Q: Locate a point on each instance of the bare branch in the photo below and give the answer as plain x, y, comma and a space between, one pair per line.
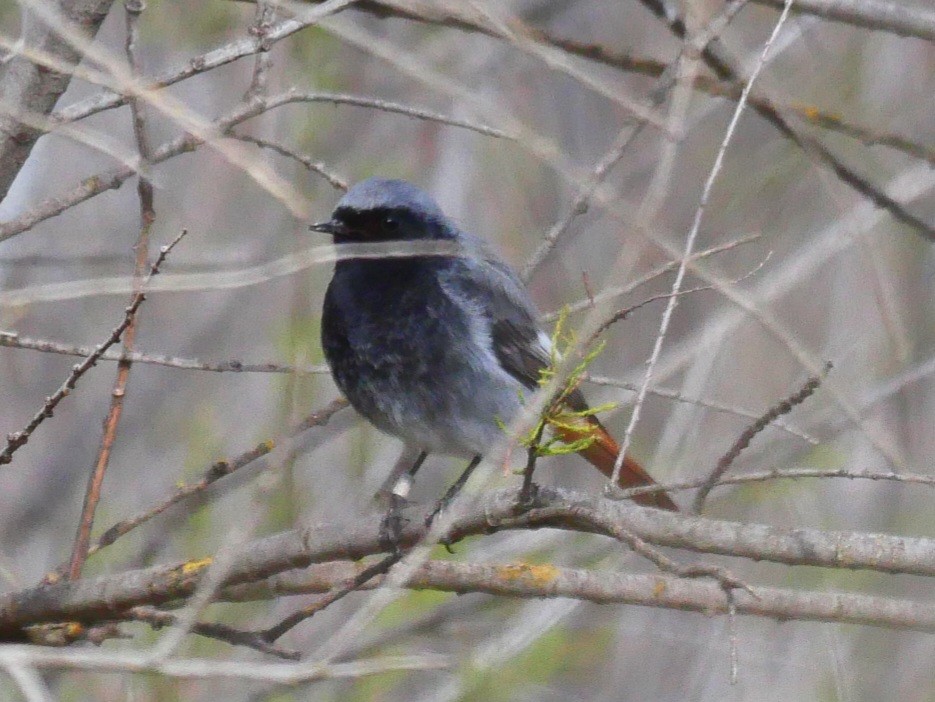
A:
543, 581
104, 598
19, 439
15, 341
157, 619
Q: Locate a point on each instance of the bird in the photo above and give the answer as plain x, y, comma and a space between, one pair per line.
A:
438, 350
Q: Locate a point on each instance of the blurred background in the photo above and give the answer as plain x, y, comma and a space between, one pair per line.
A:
820, 275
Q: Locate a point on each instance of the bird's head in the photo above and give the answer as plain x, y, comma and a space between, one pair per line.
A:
380, 209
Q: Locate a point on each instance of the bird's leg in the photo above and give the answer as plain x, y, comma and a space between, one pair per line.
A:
391, 527
450, 495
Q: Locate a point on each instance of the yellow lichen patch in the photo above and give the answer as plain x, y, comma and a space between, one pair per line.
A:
811, 112
659, 589
536, 574
74, 630
196, 565
269, 445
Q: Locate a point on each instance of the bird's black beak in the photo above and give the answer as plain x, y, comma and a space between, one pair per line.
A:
330, 227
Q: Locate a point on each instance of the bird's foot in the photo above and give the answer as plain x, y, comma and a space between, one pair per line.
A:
391, 527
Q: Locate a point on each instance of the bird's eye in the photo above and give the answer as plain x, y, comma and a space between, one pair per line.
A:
390, 223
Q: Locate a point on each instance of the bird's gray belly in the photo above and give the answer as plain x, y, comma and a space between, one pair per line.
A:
451, 404
429, 382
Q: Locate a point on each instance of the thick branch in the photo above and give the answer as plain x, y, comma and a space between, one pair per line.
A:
35, 89
608, 587
91, 600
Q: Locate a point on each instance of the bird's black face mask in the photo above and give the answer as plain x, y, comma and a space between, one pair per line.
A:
380, 224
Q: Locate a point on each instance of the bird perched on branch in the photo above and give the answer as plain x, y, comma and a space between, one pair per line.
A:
438, 350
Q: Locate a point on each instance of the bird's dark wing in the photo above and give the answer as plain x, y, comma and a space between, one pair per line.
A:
491, 287
492, 290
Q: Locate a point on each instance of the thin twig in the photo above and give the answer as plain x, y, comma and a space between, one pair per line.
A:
625, 312
15, 341
708, 404
689, 247
19, 439
723, 577
786, 474
611, 292
158, 618
217, 471
337, 592
317, 167
778, 410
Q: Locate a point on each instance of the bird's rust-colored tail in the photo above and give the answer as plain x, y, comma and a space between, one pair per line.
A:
603, 452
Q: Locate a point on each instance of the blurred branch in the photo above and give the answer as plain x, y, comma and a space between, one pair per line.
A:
116, 75
112, 179
725, 67
732, 90
107, 597
215, 58
28, 657
34, 88
896, 17
595, 52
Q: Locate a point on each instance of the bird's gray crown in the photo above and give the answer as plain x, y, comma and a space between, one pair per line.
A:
388, 193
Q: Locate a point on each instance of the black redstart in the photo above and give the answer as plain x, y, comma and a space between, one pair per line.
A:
438, 350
